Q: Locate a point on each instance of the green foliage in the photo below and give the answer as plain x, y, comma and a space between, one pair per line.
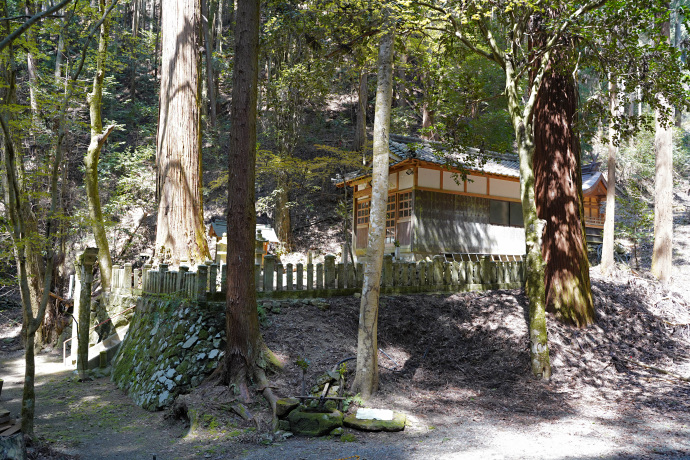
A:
303, 363
132, 179
635, 220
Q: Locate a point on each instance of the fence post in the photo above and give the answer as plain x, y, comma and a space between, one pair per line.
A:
213, 278
289, 277
136, 282
340, 275
447, 273
300, 277
310, 276
329, 271
269, 268
114, 284
179, 281
438, 269
201, 281
223, 277
319, 276
387, 275
279, 277
127, 275
421, 273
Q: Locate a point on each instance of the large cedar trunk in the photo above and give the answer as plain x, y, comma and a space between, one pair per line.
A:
558, 189
242, 321
180, 234
663, 190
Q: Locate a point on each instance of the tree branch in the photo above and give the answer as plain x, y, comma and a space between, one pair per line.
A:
23, 28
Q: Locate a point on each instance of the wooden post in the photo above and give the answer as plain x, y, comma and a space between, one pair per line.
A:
310, 276
300, 277
319, 276
437, 265
269, 268
201, 282
289, 283
329, 271
421, 273
213, 278
179, 284
340, 276
279, 277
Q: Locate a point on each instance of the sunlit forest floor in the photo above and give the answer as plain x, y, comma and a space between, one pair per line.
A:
457, 365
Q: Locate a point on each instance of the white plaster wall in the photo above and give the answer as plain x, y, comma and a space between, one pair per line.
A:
478, 184
504, 188
392, 180
508, 240
450, 184
429, 178
405, 180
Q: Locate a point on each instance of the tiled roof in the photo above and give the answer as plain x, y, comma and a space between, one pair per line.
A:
403, 148
488, 162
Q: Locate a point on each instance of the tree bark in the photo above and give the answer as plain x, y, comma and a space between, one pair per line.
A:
663, 189
208, 48
98, 138
360, 141
180, 230
559, 199
534, 265
367, 376
607, 262
242, 322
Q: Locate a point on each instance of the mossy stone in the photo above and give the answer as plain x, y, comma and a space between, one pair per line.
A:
286, 405
314, 423
397, 424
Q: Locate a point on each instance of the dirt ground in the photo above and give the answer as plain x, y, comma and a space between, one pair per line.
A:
457, 365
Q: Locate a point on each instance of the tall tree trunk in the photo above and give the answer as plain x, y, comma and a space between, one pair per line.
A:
558, 189
428, 123
180, 230
609, 224
242, 322
208, 48
367, 376
98, 138
31, 67
663, 190
360, 142
535, 289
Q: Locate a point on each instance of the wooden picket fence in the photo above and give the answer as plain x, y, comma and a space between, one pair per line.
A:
275, 280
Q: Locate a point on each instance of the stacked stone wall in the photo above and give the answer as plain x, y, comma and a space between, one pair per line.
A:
171, 346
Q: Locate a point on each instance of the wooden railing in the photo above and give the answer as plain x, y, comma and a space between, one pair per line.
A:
594, 221
209, 281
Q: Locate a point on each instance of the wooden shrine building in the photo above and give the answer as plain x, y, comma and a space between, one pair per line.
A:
432, 210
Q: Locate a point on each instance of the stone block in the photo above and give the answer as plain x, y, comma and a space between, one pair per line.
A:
397, 424
314, 423
286, 405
